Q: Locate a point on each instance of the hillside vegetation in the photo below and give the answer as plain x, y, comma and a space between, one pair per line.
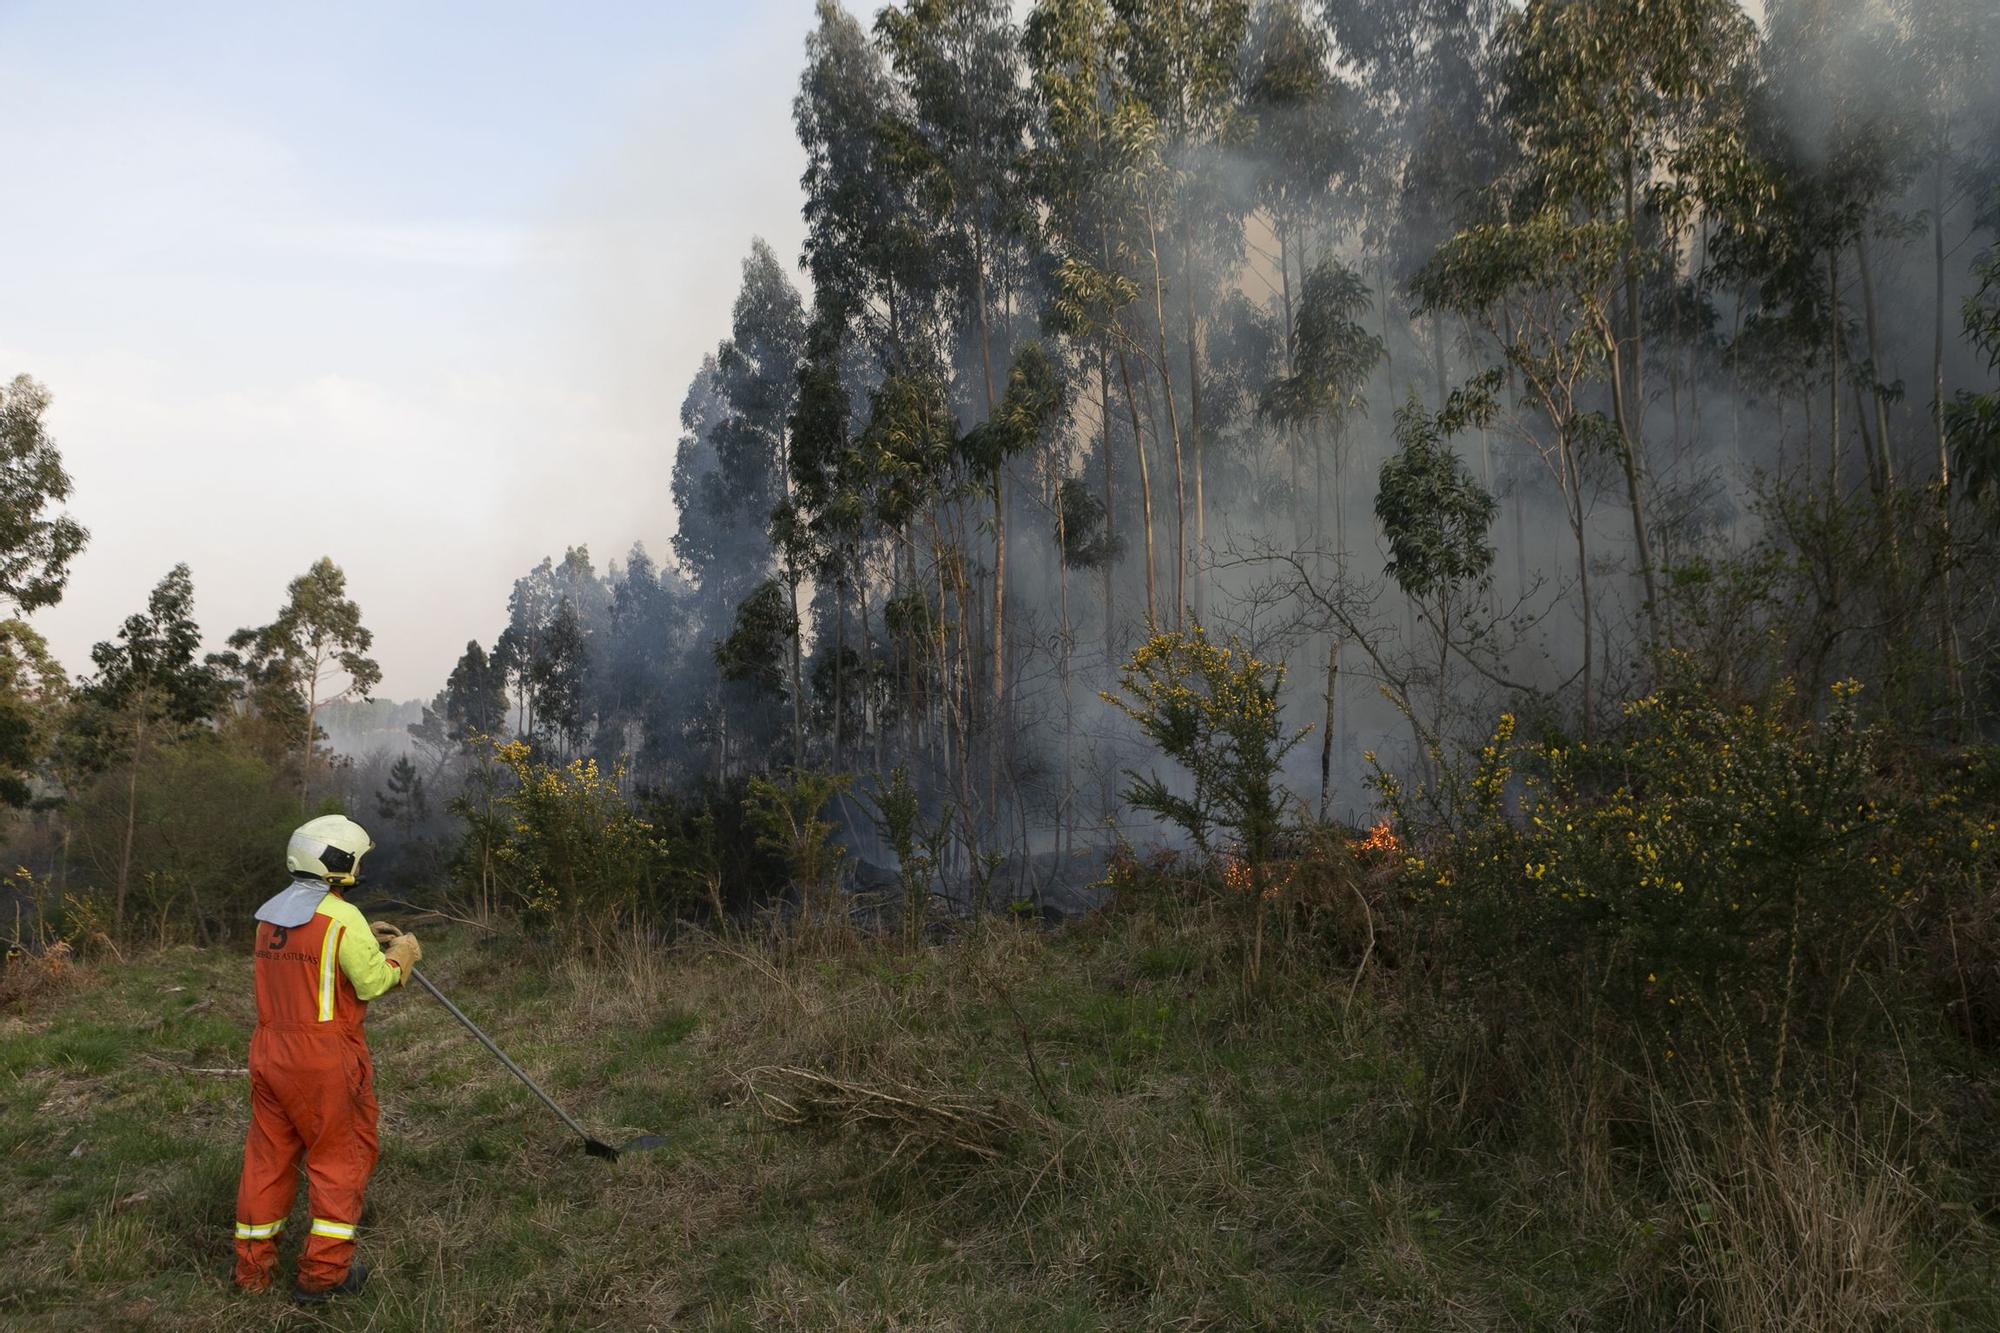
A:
1106, 1126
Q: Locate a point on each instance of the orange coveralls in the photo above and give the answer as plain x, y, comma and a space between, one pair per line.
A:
312, 1092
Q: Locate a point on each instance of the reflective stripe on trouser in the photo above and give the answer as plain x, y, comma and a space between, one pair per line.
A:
312, 1096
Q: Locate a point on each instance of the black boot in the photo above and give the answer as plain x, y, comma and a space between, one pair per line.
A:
356, 1279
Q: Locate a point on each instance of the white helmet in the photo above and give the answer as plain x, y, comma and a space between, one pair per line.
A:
329, 848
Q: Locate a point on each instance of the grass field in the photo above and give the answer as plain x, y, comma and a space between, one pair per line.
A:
1096, 1128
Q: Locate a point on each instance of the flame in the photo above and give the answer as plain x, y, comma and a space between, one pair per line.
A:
1381, 841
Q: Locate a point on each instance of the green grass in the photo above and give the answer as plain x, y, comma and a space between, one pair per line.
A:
1194, 1154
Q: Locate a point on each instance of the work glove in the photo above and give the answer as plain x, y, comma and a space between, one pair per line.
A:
384, 932
405, 953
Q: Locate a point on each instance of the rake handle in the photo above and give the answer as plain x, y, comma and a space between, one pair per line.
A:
500, 1055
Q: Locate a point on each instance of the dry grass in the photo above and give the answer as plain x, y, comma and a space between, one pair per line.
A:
916, 1120
29, 979
1792, 1223
1101, 1128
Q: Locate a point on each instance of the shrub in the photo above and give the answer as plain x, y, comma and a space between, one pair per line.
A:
208, 819
714, 858
1214, 710
577, 853
897, 811
786, 812
1714, 879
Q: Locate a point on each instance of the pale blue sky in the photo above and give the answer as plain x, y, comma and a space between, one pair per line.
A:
417, 286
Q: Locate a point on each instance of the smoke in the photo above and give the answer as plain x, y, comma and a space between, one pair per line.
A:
1401, 150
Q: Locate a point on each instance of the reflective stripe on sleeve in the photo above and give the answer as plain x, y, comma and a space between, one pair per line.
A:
329, 970
333, 1230
259, 1230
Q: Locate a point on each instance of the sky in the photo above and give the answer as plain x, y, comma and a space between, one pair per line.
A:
415, 286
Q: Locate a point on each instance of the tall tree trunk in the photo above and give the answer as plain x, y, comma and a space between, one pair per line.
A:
131, 826
1438, 360
1573, 502
1635, 326
839, 667
721, 735
871, 722
1173, 416
1067, 642
1292, 439
312, 712
1947, 620
1326, 737
1382, 310
996, 725
1110, 513
1833, 377
997, 669
1285, 283
798, 679
1518, 504
1194, 401
985, 330
1886, 461
1145, 492
1628, 456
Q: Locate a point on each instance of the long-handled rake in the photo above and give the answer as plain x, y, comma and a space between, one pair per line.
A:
596, 1147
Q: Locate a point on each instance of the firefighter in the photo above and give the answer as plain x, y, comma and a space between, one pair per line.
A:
312, 1085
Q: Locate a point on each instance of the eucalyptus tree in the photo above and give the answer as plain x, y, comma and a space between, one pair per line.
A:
753, 661
731, 471
1955, 47
475, 696
1436, 517
531, 605
1954, 54
1974, 418
1628, 114
1332, 358
640, 663
961, 122
151, 687
560, 675
1180, 63
960, 68
1083, 166
36, 545
1029, 408
820, 526
1835, 133
1424, 70
868, 245
315, 652
1083, 173
1302, 137
906, 457
1542, 290
34, 723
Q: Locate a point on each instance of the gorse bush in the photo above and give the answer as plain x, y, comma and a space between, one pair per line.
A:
1715, 879
575, 851
1214, 710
